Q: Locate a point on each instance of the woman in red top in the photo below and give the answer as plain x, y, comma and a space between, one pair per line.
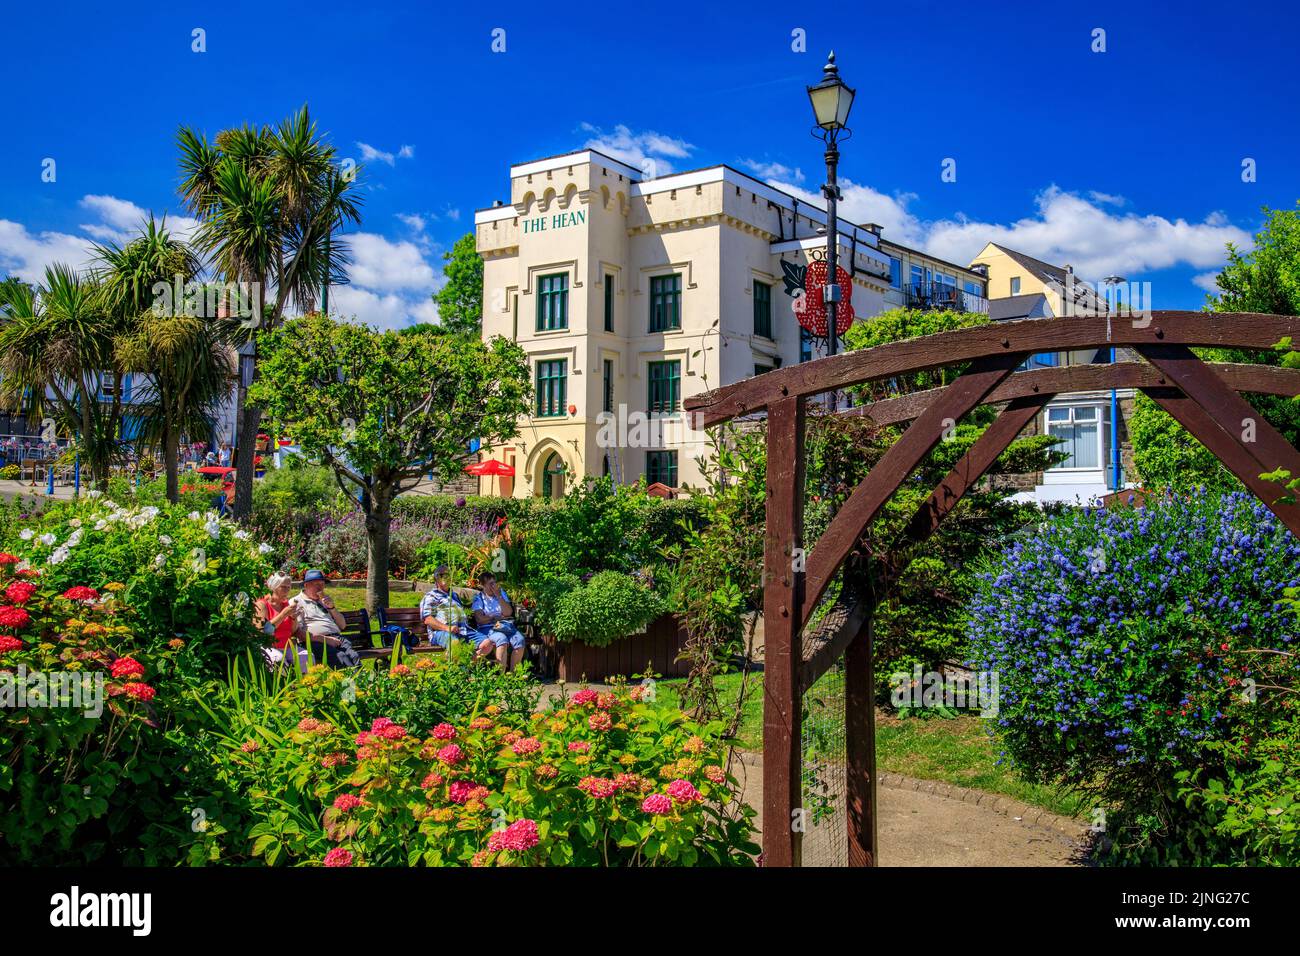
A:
277, 616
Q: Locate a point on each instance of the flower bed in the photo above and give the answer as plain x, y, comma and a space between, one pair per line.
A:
601, 779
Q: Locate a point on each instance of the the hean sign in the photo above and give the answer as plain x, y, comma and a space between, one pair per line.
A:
555, 221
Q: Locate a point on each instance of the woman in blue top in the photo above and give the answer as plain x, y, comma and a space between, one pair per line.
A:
493, 614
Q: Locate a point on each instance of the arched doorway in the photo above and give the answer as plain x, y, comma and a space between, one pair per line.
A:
553, 476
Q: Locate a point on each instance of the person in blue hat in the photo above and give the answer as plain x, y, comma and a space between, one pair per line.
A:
324, 622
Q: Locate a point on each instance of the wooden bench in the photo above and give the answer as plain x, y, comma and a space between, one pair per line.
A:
358, 633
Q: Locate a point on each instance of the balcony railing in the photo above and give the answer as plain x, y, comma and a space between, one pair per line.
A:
939, 295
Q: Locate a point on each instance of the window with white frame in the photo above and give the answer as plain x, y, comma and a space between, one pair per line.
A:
1082, 434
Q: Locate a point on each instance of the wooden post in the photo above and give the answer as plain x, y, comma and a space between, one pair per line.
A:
860, 747
783, 592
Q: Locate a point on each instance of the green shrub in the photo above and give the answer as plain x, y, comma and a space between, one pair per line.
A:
184, 574
596, 527
10, 472
601, 610
1124, 642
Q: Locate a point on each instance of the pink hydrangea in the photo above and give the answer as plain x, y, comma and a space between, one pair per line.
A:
715, 774
585, 696
126, 667
657, 804
346, 801
598, 787
529, 745
463, 791
606, 701
683, 791
431, 780
519, 836
392, 731
579, 746
451, 755
308, 724
338, 857
600, 720
444, 731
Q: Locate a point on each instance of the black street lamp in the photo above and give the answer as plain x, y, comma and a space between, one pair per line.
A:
831, 101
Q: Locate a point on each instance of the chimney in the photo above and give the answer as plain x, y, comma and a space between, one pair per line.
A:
873, 228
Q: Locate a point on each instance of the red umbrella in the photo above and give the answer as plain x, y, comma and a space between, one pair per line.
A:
215, 470
490, 467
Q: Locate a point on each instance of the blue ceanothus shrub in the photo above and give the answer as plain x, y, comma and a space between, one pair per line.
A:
1124, 643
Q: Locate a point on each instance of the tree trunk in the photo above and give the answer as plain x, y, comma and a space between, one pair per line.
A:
250, 418
170, 440
378, 518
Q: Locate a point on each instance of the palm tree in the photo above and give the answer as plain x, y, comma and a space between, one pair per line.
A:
190, 368
187, 363
268, 201
58, 355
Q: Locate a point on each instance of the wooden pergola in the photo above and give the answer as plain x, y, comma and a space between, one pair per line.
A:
1203, 397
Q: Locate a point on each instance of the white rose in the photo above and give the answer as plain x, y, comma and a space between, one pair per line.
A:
264, 548
74, 539
27, 534
101, 524
193, 516
241, 534
159, 560
47, 539
165, 540
213, 528
75, 523
58, 556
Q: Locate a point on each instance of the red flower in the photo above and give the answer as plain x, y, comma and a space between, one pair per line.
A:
14, 617
7, 558
125, 667
8, 643
140, 691
1223, 647
20, 592
338, 857
81, 593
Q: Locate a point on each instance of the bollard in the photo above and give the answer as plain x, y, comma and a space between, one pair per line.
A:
49, 480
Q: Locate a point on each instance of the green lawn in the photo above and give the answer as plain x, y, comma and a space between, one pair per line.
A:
957, 751
353, 599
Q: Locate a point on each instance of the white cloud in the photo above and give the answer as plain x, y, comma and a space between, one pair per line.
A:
1206, 281
383, 265
1068, 229
414, 220
648, 151
370, 153
773, 171
26, 254
1065, 229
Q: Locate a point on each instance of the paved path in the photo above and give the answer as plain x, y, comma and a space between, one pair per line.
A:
924, 823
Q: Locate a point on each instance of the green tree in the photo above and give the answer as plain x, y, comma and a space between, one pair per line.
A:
460, 301
383, 409
268, 201
1265, 279
186, 362
58, 351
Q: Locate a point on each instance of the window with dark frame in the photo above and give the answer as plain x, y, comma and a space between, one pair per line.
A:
665, 302
608, 385
661, 466
553, 302
609, 303
551, 387
762, 309
665, 386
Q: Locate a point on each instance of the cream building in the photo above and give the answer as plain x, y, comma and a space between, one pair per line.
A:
630, 294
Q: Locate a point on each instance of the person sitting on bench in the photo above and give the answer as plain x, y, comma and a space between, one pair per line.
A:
324, 623
493, 619
443, 614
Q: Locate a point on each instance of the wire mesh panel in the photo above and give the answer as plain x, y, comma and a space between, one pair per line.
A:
822, 752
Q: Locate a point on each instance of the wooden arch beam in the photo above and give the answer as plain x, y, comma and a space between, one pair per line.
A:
1262, 379
1247, 330
902, 457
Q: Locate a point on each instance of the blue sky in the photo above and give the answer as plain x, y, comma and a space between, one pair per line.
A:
1128, 160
